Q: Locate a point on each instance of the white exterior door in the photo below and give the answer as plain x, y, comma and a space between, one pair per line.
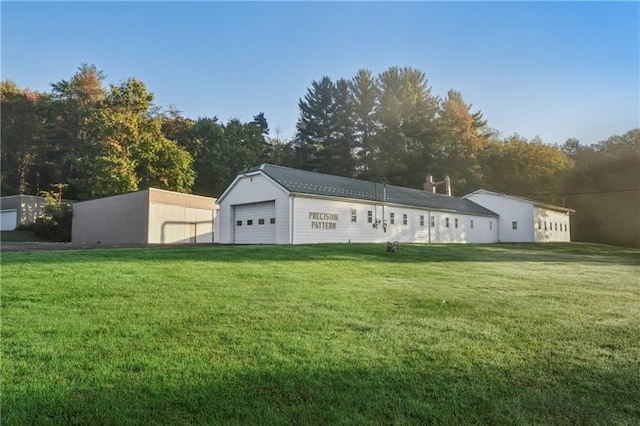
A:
255, 223
9, 220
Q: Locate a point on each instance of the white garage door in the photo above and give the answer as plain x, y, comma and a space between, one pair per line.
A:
255, 223
9, 220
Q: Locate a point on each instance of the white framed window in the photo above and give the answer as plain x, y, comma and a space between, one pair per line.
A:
490, 224
260, 221
238, 223
354, 215
545, 225
369, 216
446, 222
249, 222
514, 225
455, 222
556, 226
404, 218
433, 221
421, 220
565, 227
539, 224
272, 220
471, 224
392, 218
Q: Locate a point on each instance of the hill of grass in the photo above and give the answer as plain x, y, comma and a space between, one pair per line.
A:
325, 334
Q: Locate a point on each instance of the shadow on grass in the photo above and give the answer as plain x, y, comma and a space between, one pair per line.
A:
357, 396
408, 253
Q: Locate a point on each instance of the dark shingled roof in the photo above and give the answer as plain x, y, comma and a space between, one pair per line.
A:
306, 182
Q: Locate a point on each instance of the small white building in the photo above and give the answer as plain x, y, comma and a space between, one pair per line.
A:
16, 210
523, 220
279, 205
151, 216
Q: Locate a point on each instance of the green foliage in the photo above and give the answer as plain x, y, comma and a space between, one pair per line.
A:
55, 222
324, 334
604, 189
528, 168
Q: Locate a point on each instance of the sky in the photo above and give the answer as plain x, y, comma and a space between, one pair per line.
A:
550, 69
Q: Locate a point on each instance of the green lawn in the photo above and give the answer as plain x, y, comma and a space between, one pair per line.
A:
327, 334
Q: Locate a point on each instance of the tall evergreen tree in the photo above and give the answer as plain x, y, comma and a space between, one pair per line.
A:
405, 147
316, 123
365, 94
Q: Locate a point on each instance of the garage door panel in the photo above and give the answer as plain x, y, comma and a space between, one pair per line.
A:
9, 220
255, 223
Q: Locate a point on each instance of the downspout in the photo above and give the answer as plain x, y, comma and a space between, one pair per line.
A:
291, 211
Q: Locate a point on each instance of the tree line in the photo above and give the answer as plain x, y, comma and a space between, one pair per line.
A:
388, 128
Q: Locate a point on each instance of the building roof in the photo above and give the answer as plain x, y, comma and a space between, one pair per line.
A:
526, 200
306, 182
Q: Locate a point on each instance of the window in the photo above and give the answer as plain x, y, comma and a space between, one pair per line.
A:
545, 225
272, 220
539, 224
260, 221
490, 224
354, 215
556, 225
239, 223
514, 225
433, 222
446, 222
471, 223
249, 222
392, 218
369, 216
455, 222
404, 219
421, 220
565, 227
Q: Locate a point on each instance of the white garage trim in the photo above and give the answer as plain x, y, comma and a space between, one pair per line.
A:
254, 223
9, 220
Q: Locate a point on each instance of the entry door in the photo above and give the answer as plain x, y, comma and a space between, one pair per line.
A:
255, 223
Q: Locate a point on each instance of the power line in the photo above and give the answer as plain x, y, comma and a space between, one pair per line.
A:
607, 191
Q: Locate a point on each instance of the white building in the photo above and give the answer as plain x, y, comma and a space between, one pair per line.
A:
523, 220
16, 210
279, 205
151, 216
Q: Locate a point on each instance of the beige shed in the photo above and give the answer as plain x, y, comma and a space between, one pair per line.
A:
151, 216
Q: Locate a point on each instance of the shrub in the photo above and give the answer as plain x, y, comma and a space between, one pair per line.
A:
55, 222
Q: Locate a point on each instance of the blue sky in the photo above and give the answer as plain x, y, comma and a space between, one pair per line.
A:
553, 69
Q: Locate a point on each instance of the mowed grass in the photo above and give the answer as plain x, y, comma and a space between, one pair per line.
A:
323, 334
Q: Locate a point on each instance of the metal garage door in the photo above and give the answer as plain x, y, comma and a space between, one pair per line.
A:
9, 220
255, 223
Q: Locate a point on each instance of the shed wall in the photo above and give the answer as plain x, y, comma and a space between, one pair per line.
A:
121, 219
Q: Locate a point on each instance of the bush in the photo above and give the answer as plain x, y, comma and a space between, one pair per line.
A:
55, 222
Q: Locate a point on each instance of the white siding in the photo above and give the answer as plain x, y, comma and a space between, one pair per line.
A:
9, 220
174, 224
319, 220
510, 210
249, 189
551, 225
